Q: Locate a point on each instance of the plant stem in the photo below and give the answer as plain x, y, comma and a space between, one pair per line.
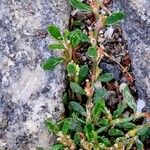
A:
89, 104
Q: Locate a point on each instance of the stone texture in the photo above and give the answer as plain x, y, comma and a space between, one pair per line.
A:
27, 93
137, 31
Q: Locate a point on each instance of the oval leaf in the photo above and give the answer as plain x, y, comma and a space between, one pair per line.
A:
139, 145
54, 31
103, 122
77, 36
51, 126
143, 130
114, 18
105, 140
92, 52
79, 5
71, 69
76, 125
127, 96
100, 130
99, 95
66, 126
115, 132
127, 125
76, 88
51, 63
106, 77
77, 138
77, 107
83, 73
120, 109
98, 108
56, 46
88, 129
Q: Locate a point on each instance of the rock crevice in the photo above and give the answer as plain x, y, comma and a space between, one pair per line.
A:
136, 29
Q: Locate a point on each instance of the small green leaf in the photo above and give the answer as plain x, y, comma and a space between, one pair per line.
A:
120, 109
127, 97
106, 77
77, 88
66, 34
65, 99
83, 73
122, 120
143, 130
100, 130
115, 132
105, 140
71, 69
92, 52
99, 95
79, 5
88, 128
76, 125
103, 122
57, 147
51, 126
66, 126
98, 109
75, 40
56, 46
114, 18
77, 36
78, 119
78, 23
77, 138
54, 31
139, 145
128, 125
95, 136
51, 63
77, 107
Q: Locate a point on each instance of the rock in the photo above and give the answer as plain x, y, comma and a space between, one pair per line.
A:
111, 69
28, 95
136, 29
109, 32
140, 105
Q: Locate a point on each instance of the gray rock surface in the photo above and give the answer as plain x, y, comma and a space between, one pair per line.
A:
28, 95
137, 31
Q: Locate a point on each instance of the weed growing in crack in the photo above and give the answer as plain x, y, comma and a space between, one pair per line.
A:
89, 124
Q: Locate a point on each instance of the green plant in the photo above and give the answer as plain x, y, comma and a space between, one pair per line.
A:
89, 124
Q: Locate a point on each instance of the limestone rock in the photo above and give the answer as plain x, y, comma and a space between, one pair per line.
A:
28, 95
137, 31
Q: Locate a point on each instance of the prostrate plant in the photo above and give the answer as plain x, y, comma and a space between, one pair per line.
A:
88, 123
